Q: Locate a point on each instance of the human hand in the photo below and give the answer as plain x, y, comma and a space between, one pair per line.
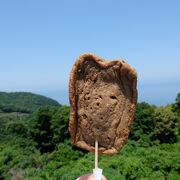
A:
90, 176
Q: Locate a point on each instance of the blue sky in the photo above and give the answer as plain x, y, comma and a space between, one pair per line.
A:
40, 41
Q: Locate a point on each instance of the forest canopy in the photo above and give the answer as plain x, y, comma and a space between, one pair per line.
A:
35, 142
24, 102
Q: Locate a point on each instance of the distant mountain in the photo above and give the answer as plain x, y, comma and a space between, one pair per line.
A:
23, 102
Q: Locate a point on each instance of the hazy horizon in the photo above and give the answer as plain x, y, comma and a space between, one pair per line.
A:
144, 92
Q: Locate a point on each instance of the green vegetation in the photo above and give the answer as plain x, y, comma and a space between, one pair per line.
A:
35, 144
49, 126
23, 102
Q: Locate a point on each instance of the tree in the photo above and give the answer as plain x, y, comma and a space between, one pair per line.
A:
176, 109
50, 127
143, 126
59, 124
176, 105
40, 130
165, 125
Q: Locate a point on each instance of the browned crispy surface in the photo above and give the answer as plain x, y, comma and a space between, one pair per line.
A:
103, 97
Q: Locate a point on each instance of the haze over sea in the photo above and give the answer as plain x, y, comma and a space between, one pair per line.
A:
40, 41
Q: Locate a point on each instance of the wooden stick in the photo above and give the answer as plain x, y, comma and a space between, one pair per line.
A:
96, 154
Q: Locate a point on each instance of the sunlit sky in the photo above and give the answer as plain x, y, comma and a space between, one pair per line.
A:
41, 39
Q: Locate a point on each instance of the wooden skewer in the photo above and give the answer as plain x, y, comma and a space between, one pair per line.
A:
96, 154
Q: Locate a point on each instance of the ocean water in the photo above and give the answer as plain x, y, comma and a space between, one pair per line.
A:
159, 94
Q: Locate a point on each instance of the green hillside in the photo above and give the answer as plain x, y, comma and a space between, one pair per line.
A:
37, 146
23, 102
